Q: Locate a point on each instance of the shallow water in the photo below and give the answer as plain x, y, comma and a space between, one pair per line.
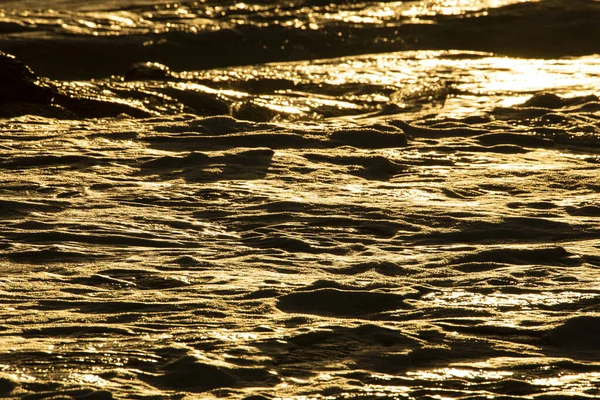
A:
395, 200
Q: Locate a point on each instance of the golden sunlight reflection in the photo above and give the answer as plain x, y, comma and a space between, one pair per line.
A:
281, 105
565, 381
88, 379
383, 390
269, 199
521, 301
388, 12
449, 83
442, 374
570, 382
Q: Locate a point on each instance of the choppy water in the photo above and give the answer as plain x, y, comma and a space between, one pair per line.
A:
358, 200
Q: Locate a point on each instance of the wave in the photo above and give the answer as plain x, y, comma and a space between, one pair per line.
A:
193, 36
410, 223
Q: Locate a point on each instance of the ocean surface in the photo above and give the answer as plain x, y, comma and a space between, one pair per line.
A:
307, 199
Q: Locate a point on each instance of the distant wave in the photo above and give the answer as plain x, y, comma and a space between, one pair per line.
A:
70, 44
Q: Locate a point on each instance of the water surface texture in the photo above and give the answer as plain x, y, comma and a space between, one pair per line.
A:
298, 200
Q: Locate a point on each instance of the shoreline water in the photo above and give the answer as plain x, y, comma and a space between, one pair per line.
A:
410, 224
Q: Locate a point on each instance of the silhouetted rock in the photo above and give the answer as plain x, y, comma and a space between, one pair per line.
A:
18, 83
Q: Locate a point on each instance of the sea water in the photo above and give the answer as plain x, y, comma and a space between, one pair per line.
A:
299, 199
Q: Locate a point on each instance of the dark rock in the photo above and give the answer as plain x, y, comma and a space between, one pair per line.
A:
18, 83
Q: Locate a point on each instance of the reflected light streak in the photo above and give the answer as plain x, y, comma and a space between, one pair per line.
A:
501, 300
281, 105
383, 390
443, 374
574, 382
88, 379
389, 12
